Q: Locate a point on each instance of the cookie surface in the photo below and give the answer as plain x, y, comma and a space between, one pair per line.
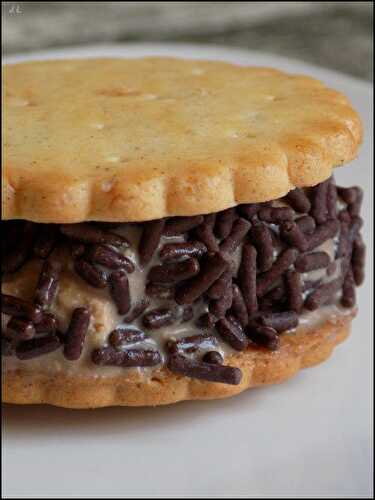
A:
259, 367
133, 140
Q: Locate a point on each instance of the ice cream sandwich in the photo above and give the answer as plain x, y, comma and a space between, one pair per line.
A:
171, 229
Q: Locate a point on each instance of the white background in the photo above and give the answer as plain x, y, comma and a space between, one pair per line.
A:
308, 438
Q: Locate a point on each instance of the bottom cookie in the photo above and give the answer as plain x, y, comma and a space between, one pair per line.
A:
259, 366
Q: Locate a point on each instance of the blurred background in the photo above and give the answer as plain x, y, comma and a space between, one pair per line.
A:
338, 35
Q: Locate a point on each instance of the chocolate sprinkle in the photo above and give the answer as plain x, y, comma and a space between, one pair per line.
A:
224, 222
121, 336
20, 308
150, 239
238, 232
108, 257
293, 283
137, 310
204, 233
261, 238
247, 277
157, 318
232, 332
90, 273
213, 357
191, 344
205, 371
176, 251
90, 233
264, 336
46, 288
211, 269
19, 329
39, 346
298, 200
108, 356
76, 334
174, 272
179, 225
310, 261
119, 288
283, 262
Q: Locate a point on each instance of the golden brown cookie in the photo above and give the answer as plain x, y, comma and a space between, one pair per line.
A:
140, 139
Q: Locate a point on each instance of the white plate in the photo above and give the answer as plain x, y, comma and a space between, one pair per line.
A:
310, 437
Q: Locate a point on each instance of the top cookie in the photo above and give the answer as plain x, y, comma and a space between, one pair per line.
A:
140, 139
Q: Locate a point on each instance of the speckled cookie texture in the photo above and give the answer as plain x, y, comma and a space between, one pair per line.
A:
134, 140
259, 367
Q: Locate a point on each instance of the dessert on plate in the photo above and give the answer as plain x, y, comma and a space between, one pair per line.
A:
171, 229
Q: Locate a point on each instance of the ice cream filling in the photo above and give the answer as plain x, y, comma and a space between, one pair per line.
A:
184, 292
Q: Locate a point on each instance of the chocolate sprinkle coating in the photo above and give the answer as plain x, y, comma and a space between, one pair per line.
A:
198, 275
